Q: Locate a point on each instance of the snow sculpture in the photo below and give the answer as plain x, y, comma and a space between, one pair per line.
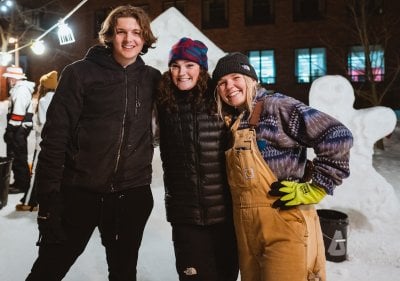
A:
365, 194
169, 27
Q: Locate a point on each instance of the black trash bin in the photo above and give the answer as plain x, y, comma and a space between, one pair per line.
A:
334, 226
5, 172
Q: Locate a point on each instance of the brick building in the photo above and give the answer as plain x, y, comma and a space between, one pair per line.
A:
290, 42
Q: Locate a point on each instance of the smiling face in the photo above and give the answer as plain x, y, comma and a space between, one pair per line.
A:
184, 74
232, 89
127, 41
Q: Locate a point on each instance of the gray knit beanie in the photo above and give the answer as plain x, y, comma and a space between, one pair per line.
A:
234, 63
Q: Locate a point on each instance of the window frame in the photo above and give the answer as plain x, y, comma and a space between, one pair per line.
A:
250, 9
208, 18
180, 5
312, 51
263, 68
358, 74
302, 10
372, 8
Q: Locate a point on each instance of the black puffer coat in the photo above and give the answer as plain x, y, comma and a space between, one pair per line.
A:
98, 131
192, 145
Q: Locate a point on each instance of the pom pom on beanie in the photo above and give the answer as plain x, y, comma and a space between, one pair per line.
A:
191, 50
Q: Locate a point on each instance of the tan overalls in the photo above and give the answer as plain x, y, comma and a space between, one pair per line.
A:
273, 244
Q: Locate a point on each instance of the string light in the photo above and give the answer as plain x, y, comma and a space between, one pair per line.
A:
5, 5
38, 47
66, 37
65, 34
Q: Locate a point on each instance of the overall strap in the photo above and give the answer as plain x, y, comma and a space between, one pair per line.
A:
253, 120
255, 115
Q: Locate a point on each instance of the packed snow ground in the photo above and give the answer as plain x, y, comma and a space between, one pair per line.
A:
373, 247
373, 250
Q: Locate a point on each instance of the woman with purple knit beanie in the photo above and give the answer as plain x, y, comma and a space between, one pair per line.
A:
192, 145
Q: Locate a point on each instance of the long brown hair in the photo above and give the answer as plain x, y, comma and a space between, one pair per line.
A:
201, 94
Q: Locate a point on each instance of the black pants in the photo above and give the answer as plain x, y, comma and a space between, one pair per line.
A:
17, 148
121, 218
205, 253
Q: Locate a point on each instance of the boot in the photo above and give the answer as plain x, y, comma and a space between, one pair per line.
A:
23, 208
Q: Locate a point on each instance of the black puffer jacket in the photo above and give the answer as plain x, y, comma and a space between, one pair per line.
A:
98, 130
192, 145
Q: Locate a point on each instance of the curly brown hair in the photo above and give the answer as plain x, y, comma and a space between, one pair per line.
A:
200, 95
108, 27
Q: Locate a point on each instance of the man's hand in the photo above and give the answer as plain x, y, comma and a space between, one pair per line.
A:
49, 219
294, 193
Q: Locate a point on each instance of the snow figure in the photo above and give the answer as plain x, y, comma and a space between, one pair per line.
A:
365, 196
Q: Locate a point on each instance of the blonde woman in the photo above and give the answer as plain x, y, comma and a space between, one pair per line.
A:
277, 227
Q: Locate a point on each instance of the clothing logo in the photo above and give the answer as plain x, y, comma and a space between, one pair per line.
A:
337, 246
249, 173
190, 271
245, 67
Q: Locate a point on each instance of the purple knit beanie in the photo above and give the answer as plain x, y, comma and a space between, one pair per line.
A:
191, 50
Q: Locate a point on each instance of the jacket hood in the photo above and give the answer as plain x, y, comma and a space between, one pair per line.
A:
25, 83
261, 93
102, 56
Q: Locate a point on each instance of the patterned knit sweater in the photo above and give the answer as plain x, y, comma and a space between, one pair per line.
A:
288, 127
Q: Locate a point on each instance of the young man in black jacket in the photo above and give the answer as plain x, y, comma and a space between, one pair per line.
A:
94, 168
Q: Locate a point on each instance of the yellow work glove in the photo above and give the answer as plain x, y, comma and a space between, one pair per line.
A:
295, 193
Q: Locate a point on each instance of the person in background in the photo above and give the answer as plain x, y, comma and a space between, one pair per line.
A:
46, 88
192, 144
284, 241
95, 164
19, 126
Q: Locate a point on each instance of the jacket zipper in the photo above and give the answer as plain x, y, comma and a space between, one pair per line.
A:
196, 139
137, 101
121, 139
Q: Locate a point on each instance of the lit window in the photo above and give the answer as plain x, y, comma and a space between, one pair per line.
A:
264, 65
310, 64
357, 66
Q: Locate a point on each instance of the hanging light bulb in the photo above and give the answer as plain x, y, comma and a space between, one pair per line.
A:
65, 35
38, 47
